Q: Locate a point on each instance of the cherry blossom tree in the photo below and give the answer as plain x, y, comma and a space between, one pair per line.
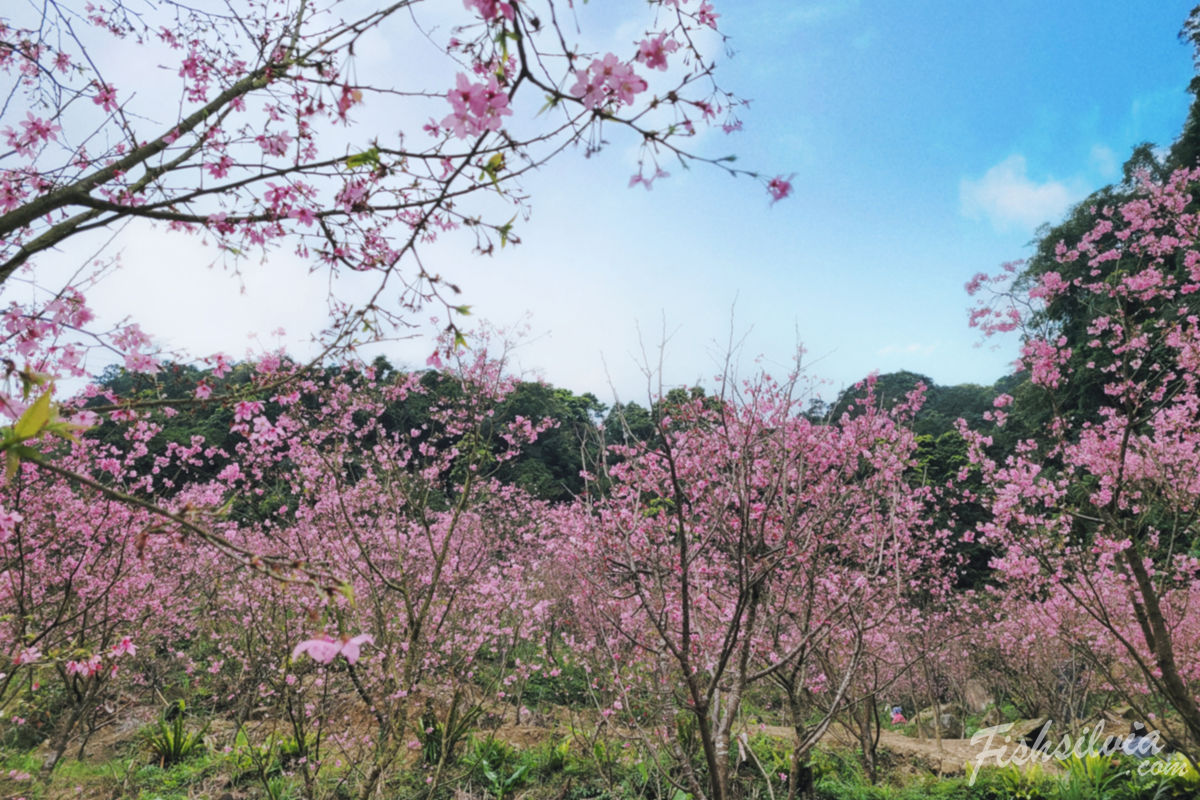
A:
441, 561
740, 544
871, 572
84, 581
1101, 506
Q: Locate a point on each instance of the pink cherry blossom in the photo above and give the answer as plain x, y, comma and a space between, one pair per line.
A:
653, 52
123, 648
476, 107
607, 81
779, 188
706, 16
325, 648
491, 9
106, 97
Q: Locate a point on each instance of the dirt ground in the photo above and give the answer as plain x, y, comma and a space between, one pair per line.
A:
947, 757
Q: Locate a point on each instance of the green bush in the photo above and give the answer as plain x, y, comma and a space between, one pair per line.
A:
550, 758
169, 740
496, 766
569, 688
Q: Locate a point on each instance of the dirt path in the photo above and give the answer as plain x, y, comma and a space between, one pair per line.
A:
950, 757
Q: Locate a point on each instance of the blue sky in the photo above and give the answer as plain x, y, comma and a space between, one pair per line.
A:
927, 140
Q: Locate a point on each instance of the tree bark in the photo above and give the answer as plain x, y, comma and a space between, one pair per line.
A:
1158, 639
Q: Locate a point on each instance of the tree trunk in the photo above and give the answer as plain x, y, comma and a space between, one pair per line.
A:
801, 785
1158, 638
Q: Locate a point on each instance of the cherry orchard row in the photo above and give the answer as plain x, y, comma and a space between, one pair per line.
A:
741, 550
750, 549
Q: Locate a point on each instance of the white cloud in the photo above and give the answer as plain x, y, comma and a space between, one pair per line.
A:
1104, 161
911, 349
1007, 197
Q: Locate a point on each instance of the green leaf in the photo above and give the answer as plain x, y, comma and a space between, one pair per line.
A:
505, 229
493, 168
34, 419
516, 776
367, 158
31, 379
64, 430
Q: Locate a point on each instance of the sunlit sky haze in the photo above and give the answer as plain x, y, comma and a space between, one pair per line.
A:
926, 141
